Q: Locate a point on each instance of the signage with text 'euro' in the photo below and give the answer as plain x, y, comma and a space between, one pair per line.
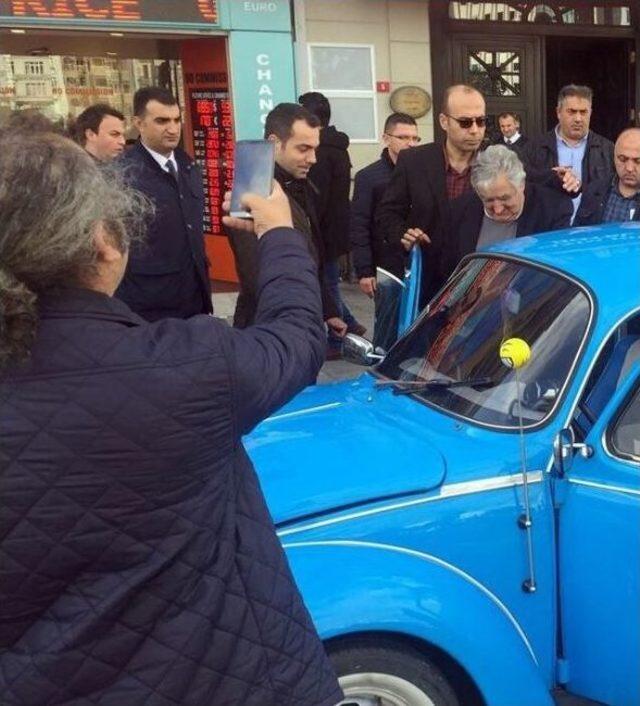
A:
203, 12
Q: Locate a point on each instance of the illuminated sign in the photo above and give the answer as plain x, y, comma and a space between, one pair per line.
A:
155, 11
212, 126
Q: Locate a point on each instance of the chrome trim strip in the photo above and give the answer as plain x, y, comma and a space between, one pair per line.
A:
432, 559
604, 486
446, 491
301, 412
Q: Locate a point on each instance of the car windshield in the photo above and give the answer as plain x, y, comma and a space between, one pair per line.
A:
458, 339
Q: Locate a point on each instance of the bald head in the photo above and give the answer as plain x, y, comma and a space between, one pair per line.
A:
627, 161
455, 93
463, 119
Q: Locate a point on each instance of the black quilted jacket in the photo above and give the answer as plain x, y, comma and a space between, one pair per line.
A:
138, 561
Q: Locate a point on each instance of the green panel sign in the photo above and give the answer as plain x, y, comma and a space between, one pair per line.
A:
273, 16
262, 75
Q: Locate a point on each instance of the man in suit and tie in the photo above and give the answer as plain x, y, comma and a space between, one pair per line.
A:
167, 275
509, 123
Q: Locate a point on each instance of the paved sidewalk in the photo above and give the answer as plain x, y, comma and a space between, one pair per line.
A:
360, 305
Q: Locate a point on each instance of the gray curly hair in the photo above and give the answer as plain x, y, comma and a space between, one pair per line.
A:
52, 198
493, 162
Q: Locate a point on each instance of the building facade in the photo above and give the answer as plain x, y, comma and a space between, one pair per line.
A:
229, 62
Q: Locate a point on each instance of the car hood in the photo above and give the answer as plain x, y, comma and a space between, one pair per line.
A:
337, 446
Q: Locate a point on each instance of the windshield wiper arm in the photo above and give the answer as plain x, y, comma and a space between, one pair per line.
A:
409, 387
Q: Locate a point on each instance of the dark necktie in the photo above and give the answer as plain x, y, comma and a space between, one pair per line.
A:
171, 168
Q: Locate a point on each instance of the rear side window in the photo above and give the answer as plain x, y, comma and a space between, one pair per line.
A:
624, 435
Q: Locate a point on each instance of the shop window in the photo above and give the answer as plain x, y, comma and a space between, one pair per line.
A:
344, 73
576, 12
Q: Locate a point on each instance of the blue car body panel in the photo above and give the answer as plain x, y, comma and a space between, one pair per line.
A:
399, 517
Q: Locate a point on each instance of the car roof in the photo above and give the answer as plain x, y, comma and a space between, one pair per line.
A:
606, 258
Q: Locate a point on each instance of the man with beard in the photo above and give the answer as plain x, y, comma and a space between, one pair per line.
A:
296, 134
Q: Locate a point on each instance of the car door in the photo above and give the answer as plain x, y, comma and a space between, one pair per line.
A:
599, 554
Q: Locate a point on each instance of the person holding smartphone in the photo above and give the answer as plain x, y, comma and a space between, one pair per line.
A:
140, 561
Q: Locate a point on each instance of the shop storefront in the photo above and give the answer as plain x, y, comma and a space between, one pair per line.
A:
228, 62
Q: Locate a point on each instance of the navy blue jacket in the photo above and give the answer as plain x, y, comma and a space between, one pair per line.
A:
138, 561
368, 246
594, 201
167, 275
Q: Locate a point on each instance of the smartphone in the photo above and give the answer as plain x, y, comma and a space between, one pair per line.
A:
252, 172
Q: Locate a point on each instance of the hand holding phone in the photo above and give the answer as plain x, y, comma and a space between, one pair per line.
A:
252, 173
266, 214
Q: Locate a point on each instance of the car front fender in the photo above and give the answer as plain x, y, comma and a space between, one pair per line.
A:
358, 586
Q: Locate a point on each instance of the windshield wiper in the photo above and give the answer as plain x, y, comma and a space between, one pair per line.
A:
409, 387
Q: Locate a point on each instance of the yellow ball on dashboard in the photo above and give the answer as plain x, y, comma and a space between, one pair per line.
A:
514, 352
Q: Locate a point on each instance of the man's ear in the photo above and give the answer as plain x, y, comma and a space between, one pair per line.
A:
105, 245
444, 121
89, 134
137, 121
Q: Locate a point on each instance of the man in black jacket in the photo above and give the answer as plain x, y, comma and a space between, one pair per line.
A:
571, 146
502, 205
616, 199
296, 133
510, 135
369, 248
415, 208
167, 276
331, 175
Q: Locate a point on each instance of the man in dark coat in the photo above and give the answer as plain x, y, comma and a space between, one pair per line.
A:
615, 199
167, 276
510, 135
369, 249
503, 205
296, 133
571, 145
415, 209
331, 176
138, 560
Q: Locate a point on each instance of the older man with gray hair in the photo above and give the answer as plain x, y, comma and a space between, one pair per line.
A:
502, 205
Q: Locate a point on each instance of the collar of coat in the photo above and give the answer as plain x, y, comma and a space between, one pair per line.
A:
77, 302
181, 157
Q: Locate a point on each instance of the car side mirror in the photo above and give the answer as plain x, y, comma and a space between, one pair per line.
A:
565, 448
358, 350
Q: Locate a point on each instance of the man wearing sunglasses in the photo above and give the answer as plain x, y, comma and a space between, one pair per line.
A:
415, 209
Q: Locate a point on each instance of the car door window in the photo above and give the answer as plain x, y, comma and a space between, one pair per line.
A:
624, 435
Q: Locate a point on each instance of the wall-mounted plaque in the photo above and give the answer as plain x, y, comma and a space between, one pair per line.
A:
412, 100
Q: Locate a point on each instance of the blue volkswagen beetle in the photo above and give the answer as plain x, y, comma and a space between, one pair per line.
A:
465, 525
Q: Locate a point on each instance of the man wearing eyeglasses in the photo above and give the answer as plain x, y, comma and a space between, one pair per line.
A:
415, 209
370, 251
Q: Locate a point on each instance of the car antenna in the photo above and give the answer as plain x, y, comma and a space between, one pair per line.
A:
515, 354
